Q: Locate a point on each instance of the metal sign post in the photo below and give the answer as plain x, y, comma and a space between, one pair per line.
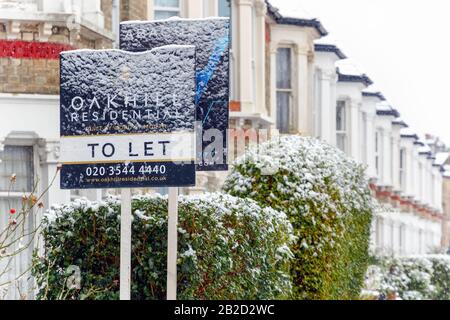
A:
172, 245
125, 245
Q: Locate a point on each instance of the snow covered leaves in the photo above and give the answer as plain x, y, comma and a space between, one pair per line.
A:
230, 248
325, 194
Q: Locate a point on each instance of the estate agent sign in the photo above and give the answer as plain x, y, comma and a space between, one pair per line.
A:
212, 40
128, 119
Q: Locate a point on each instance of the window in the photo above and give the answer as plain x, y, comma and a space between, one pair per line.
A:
166, 8
284, 90
341, 125
364, 135
16, 160
224, 8
402, 172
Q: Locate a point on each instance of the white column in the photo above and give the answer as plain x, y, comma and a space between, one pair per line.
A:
417, 174
333, 102
425, 180
194, 8
328, 105
273, 84
439, 186
387, 158
245, 16
354, 130
303, 112
260, 57
396, 164
409, 181
370, 157
49, 156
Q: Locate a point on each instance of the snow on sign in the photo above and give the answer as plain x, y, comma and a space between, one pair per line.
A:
212, 40
128, 119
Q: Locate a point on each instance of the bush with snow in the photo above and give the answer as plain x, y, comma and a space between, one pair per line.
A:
410, 278
229, 248
325, 194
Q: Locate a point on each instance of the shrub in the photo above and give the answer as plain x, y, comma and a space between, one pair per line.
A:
411, 278
326, 196
229, 248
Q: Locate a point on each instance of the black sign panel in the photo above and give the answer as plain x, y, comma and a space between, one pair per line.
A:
212, 40
128, 119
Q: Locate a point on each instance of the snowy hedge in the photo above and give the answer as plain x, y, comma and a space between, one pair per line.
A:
410, 278
229, 248
326, 196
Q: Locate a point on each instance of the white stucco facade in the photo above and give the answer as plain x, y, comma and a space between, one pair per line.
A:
402, 174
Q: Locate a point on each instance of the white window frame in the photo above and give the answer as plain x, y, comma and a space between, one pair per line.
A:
286, 90
345, 131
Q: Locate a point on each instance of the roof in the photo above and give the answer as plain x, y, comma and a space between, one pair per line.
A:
441, 158
385, 109
284, 12
399, 122
419, 143
407, 133
377, 94
363, 78
319, 47
446, 171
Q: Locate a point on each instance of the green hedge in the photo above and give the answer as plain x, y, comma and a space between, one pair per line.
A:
229, 248
410, 278
326, 196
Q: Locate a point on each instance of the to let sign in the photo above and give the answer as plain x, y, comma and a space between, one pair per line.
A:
211, 38
128, 119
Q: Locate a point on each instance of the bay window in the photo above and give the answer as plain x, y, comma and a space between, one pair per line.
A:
284, 90
341, 126
167, 8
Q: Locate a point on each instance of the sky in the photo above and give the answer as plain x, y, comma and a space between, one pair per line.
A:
403, 46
